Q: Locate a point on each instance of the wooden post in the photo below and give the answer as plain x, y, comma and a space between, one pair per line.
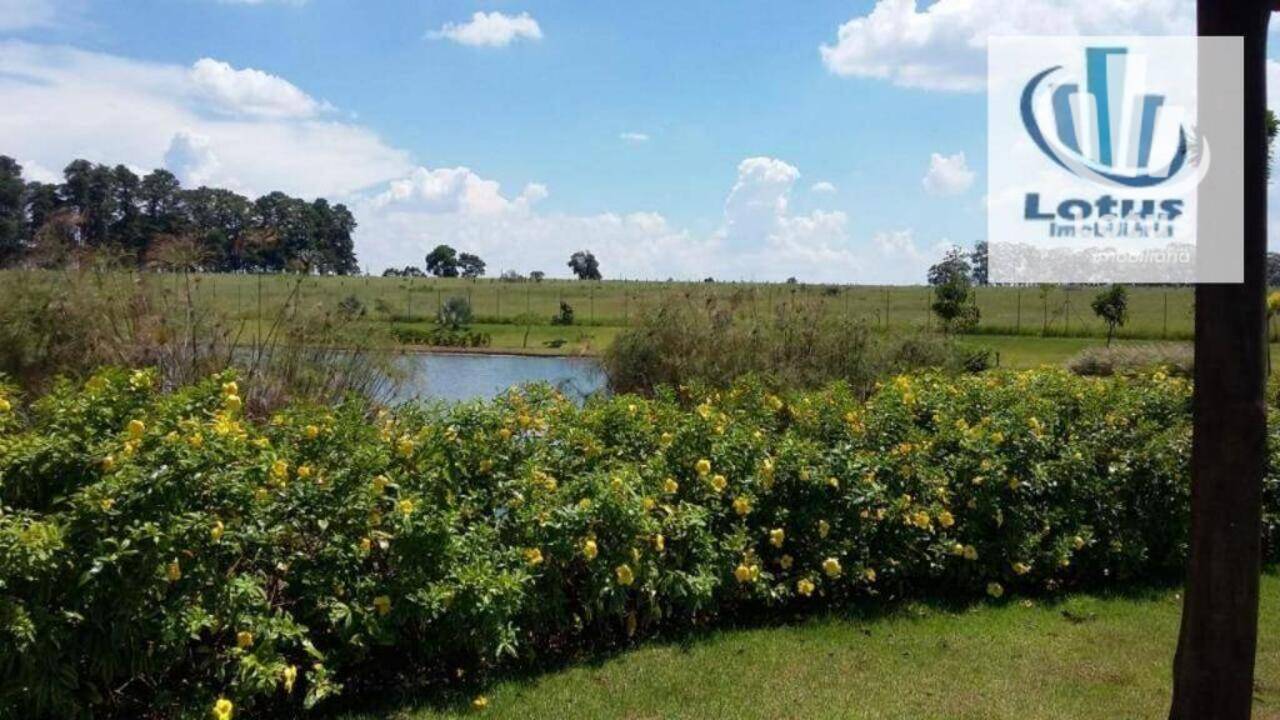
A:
1217, 642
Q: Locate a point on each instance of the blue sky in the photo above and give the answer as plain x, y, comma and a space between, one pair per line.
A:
673, 138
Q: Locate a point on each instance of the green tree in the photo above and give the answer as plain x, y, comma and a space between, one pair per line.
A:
953, 302
443, 261
954, 263
584, 264
471, 266
12, 211
1112, 305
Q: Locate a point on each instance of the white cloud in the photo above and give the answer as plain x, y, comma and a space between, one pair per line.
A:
250, 91
492, 29
21, 14
633, 137
191, 158
947, 175
822, 187
943, 46
62, 103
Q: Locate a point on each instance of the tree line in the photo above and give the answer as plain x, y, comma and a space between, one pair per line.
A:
153, 220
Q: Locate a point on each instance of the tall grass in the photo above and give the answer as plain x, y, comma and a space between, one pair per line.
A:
799, 343
72, 320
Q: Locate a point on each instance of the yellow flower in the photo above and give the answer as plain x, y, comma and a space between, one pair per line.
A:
659, 542
196, 441
946, 519
1021, 568
480, 703
290, 676
223, 709
312, 432
405, 506
970, 552
648, 503
5, 405
380, 483
215, 531
230, 388
136, 428
775, 402
108, 463
743, 573
831, 567
742, 506
834, 482
957, 549
233, 403
140, 379
1077, 541
824, 528
261, 495
304, 471
173, 571
777, 536
505, 433
366, 544
624, 574
719, 482
533, 556
995, 589
785, 561
921, 520
584, 504
405, 446
244, 639
670, 486
869, 575
805, 587
106, 504
703, 466
666, 438
382, 604
280, 471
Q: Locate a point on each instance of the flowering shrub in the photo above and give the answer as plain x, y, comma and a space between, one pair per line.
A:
162, 555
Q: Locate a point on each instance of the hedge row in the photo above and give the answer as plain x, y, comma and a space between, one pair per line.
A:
161, 555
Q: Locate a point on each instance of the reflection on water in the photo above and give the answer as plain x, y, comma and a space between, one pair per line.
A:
456, 376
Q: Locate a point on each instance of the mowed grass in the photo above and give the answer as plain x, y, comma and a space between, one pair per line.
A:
1084, 657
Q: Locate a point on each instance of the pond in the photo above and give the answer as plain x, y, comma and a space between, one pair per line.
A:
459, 376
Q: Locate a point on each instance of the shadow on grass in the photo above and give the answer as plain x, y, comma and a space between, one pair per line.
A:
398, 699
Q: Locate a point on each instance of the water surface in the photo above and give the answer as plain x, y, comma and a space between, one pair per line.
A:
457, 376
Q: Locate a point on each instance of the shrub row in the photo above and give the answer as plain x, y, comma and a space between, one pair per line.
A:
162, 555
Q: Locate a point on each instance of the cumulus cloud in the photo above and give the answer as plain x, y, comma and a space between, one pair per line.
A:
63, 103
493, 29
250, 92
192, 159
822, 187
633, 137
943, 46
947, 175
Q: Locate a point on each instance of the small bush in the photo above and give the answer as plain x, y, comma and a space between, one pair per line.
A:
798, 345
564, 316
159, 552
1174, 358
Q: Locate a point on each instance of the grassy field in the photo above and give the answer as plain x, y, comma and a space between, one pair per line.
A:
1155, 312
1083, 658
1027, 326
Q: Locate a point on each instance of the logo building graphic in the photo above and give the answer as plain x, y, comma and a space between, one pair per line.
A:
1106, 130
1098, 152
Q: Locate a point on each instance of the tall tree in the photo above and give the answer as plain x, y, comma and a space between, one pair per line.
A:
471, 266
584, 264
443, 261
979, 259
12, 211
1217, 642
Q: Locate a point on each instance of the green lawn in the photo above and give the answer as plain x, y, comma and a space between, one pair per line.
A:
1083, 657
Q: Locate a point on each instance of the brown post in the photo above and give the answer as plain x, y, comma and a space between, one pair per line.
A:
1213, 668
